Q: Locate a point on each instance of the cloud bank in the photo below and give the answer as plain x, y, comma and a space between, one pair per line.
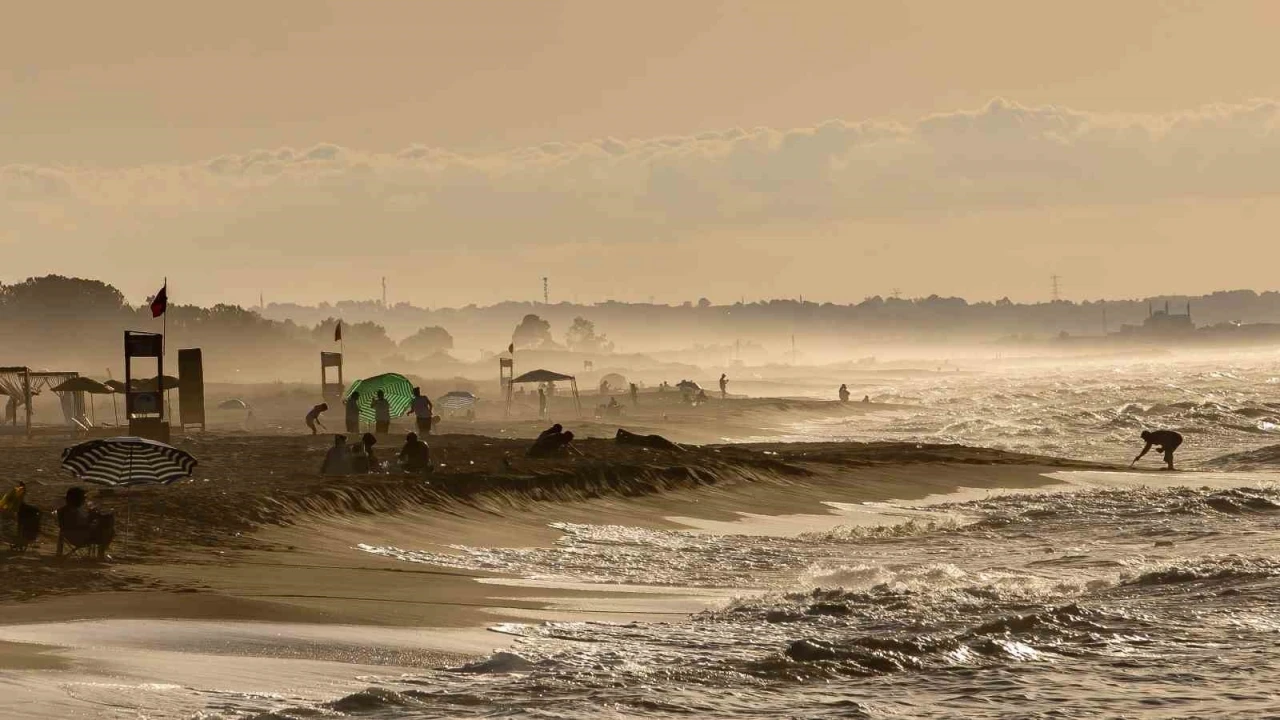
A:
337, 201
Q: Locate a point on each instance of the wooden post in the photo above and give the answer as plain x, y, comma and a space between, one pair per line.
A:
26, 395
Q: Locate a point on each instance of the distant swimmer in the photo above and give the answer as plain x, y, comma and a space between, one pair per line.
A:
1165, 440
724, 385
844, 393
313, 417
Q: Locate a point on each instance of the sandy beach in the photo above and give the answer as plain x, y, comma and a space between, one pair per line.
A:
254, 562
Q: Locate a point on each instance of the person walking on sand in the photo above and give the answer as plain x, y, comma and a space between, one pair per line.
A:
724, 384
542, 403
313, 418
353, 413
635, 395
381, 414
844, 393
1165, 440
422, 410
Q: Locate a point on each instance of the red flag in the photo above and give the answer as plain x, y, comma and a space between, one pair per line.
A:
160, 302
337, 332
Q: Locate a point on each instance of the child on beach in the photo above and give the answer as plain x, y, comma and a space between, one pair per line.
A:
313, 417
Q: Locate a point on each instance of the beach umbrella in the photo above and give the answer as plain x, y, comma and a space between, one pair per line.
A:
84, 385
233, 404
397, 389
457, 400
114, 386
124, 461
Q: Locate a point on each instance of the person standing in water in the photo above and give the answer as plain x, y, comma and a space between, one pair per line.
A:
313, 418
381, 414
844, 393
1165, 440
353, 413
724, 384
635, 394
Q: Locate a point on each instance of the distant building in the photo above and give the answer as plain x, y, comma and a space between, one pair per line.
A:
1162, 322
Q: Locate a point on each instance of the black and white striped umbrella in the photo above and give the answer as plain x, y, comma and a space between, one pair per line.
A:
127, 461
457, 400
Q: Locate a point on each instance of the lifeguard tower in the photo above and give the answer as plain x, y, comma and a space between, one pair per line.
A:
331, 391
144, 402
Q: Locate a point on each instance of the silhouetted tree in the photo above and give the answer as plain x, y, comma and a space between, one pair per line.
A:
532, 332
427, 341
583, 338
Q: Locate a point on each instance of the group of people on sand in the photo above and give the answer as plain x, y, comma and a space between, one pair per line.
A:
80, 524
420, 407
361, 459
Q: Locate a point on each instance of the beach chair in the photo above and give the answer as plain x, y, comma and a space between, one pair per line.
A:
95, 533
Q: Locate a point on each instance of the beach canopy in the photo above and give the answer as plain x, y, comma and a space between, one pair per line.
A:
396, 387
233, 404
544, 376
143, 385
541, 376
127, 461
149, 384
82, 384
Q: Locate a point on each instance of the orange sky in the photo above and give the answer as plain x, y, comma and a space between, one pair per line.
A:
111, 114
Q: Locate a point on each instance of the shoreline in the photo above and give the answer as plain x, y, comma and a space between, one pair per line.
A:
293, 596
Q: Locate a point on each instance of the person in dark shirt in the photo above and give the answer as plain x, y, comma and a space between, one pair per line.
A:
415, 456
353, 413
368, 441
1165, 440
338, 460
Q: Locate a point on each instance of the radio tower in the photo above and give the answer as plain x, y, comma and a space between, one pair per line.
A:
546, 295
1054, 279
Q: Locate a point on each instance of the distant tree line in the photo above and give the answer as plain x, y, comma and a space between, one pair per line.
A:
61, 323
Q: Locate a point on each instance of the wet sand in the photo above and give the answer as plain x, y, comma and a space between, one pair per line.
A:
248, 579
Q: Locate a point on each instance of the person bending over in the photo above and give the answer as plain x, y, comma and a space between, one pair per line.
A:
1165, 440
313, 418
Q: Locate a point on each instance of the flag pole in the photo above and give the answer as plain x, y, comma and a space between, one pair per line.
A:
164, 351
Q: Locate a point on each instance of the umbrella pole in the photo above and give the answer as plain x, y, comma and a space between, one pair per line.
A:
128, 502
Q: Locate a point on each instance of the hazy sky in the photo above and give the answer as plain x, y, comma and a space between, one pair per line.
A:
628, 150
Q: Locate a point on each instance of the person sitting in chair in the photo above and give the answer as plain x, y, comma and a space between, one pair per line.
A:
415, 456
80, 525
338, 460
